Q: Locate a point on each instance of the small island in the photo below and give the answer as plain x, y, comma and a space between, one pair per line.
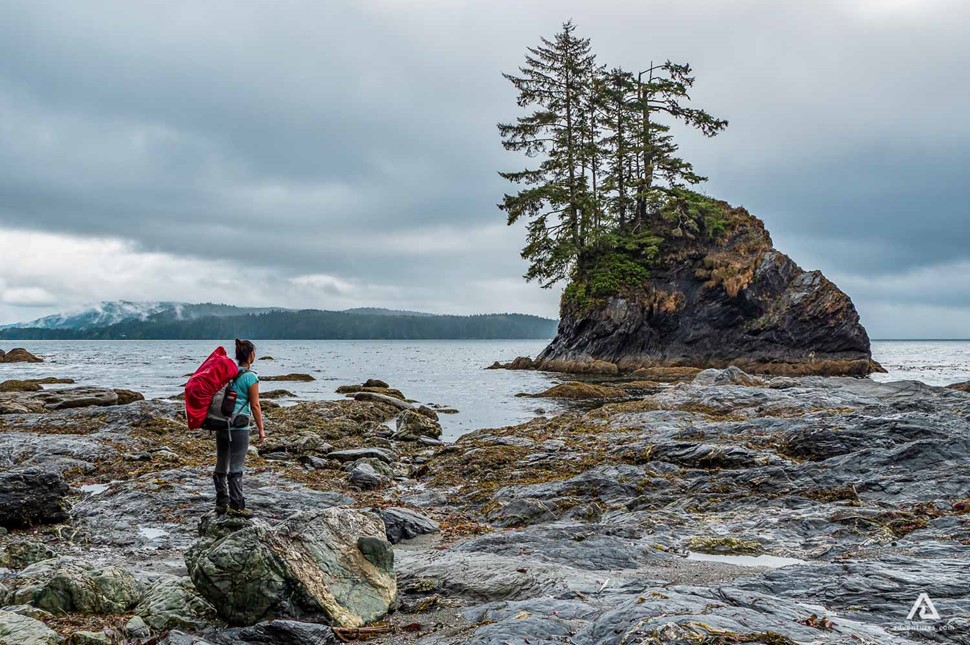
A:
657, 274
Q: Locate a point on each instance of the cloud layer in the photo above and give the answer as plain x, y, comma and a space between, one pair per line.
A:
344, 153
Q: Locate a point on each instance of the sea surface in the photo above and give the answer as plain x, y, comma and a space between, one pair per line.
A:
449, 373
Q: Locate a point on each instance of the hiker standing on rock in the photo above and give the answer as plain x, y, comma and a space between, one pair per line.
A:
232, 444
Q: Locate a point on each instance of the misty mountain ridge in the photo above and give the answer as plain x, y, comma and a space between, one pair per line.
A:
178, 320
109, 313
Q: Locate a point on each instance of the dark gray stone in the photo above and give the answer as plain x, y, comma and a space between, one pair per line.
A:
405, 524
277, 632
31, 496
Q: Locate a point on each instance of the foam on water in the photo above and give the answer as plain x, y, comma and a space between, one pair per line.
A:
152, 533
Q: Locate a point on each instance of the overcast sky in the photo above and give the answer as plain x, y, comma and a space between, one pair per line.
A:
341, 154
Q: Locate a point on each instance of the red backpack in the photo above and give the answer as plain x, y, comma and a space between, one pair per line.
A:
213, 375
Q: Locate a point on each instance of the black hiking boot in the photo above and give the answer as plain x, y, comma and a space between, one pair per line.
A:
237, 503
221, 482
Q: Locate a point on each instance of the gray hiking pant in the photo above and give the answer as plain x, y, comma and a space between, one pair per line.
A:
231, 455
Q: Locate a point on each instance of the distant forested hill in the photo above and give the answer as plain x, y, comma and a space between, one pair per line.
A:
309, 324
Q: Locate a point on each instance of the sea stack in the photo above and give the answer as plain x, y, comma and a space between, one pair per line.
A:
714, 301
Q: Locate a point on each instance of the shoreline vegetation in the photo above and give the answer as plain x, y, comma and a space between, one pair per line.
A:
706, 506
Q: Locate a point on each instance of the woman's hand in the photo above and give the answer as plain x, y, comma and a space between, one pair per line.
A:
262, 436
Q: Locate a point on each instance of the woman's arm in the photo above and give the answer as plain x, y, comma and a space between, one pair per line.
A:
257, 411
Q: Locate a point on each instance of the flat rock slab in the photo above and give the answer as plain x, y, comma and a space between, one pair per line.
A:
353, 454
374, 397
63, 399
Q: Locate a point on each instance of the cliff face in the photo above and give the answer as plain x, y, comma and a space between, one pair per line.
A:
733, 300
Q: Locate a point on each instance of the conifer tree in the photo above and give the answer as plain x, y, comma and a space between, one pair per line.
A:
557, 200
662, 175
620, 145
609, 182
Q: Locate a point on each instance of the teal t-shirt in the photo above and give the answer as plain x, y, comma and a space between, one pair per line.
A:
241, 386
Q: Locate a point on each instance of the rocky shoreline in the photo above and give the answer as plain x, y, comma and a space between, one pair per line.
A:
701, 507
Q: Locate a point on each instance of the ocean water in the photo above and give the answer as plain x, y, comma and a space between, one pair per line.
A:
449, 373
934, 362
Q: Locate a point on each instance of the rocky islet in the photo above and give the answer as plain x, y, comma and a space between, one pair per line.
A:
728, 299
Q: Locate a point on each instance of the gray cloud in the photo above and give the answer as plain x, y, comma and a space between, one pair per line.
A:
356, 140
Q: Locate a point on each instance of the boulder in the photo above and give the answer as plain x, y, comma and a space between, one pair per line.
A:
16, 629
277, 632
128, 396
961, 387
276, 394
13, 406
77, 397
412, 424
303, 443
178, 637
519, 363
729, 376
15, 385
88, 637
137, 628
173, 603
20, 355
580, 390
375, 382
714, 299
365, 477
333, 566
386, 391
62, 585
405, 524
375, 397
17, 554
29, 611
32, 495
33, 384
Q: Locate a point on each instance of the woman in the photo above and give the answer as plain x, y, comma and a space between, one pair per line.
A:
232, 444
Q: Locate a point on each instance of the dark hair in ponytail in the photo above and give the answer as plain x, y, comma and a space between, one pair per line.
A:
244, 348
